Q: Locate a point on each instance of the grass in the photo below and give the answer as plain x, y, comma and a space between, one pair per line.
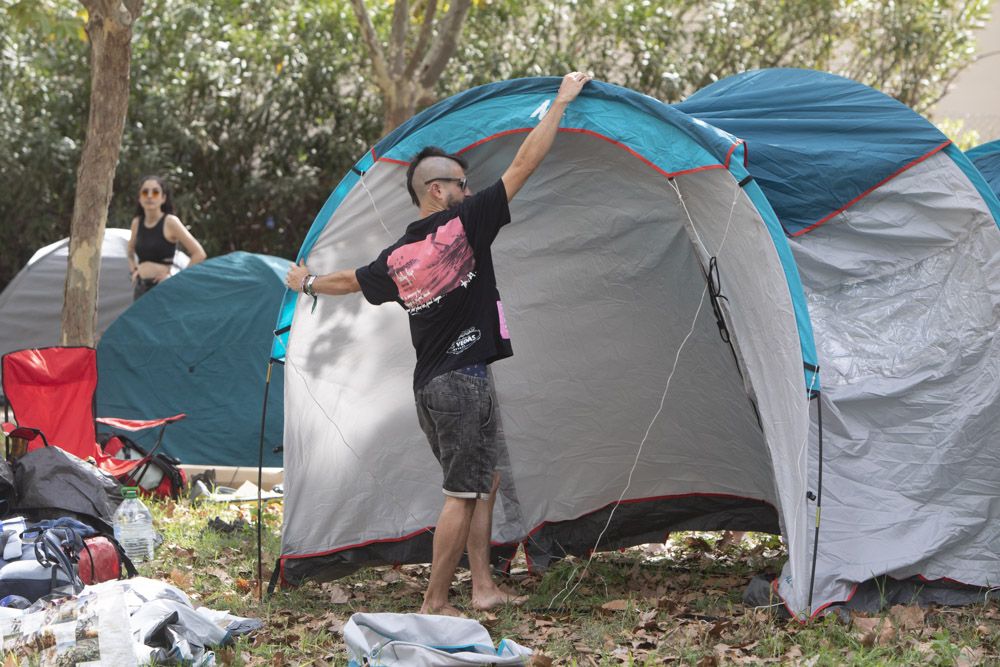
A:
680, 603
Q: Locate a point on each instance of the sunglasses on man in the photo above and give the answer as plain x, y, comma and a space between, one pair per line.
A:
462, 182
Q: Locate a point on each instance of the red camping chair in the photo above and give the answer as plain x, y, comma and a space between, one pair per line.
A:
51, 391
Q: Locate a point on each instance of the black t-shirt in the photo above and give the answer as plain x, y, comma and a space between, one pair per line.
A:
441, 272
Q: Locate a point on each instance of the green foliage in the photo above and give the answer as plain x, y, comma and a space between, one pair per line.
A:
254, 111
44, 81
671, 48
251, 114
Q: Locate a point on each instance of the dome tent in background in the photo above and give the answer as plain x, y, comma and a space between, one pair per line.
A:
31, 305
712, 233
987, 160
198, 343
895, 236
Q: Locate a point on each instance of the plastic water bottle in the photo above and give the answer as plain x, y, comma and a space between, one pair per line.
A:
133, 525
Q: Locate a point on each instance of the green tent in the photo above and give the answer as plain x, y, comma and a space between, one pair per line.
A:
198, 343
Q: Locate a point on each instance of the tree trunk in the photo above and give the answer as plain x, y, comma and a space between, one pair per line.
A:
109, 28
400, 104
407, 77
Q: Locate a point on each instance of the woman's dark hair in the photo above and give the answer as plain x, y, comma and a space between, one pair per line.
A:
167, 206
426, 152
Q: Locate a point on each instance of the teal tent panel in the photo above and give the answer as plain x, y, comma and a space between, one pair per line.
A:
817, 142
199, 344
972, 168
987, 161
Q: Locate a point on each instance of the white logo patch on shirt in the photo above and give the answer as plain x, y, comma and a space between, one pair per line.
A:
465, 340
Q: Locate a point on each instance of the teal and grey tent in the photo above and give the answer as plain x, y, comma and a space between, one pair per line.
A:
198, 344
710, 305
987, 160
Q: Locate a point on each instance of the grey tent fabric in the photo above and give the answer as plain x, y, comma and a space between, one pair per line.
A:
662, 324
31, 305
904, 293
590, 370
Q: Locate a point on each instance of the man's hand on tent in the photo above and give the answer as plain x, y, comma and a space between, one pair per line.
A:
571, 86
538, 142
300, 279
295, 278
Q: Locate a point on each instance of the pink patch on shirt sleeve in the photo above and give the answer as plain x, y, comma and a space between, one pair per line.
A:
503, 322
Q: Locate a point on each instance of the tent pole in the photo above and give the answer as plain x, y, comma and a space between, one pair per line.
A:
819, 498
260, 482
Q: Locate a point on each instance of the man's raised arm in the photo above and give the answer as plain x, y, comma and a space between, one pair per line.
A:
538, 142
339, 282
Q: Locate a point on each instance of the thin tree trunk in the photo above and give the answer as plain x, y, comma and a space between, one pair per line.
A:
110, 30
407, 79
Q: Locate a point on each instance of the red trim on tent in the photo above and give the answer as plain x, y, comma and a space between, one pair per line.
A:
732, 149
854, 590
643, 500
871, 189
527, 556
574, 130
403, 538
519, 130
408, 536
947, 579
667, 174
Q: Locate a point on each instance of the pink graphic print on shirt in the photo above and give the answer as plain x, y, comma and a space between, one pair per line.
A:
425, 271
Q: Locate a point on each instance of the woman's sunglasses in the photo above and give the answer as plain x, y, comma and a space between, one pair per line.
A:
146, 192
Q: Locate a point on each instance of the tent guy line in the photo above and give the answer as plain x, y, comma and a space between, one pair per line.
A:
677, 357
361, 178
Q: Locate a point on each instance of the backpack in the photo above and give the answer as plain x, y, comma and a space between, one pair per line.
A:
103, 559
161, 476
50, 571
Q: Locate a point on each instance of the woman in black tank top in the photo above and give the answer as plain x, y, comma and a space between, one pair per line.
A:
156, 231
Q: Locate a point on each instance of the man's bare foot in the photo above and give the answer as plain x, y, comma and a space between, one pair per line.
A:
443, 610
496, 597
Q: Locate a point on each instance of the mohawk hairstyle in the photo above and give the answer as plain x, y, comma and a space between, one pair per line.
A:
426, 152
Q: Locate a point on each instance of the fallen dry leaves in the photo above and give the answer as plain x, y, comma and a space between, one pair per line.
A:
182, 579
667, 604
615, 605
